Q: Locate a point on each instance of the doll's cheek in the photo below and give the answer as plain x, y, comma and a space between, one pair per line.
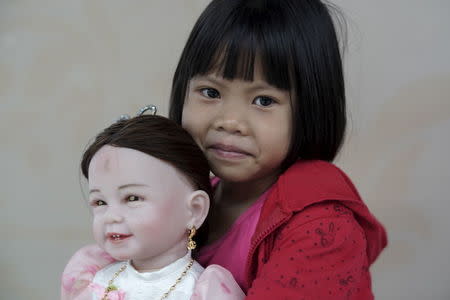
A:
97, 231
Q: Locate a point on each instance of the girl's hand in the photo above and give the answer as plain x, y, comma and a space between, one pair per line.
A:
217, 283
80, 271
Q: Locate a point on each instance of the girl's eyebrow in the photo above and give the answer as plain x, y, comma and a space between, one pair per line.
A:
255, 86
261, 86
210, 79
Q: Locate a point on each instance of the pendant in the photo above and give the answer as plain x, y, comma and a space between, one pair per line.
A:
110, 288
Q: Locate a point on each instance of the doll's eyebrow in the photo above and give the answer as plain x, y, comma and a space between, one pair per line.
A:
94, 191
121, 187
132, 185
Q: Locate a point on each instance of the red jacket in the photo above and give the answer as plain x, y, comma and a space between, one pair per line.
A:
315, 238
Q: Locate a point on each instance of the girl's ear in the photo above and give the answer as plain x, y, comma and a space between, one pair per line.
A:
198, 205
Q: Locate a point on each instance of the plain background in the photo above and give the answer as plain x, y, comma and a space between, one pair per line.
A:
70, 68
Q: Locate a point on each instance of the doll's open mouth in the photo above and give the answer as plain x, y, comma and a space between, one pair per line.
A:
117, 236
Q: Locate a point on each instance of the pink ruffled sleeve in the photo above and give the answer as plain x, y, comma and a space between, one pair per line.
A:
217, 283
80, 271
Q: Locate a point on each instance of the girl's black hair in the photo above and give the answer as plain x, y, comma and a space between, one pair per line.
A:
297, 45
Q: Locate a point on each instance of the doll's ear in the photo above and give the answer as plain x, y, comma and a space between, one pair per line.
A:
198, 205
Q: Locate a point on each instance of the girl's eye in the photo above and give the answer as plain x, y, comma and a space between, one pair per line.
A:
210, 93
263, 101
133, 198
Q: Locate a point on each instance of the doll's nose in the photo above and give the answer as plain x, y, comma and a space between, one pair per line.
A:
113, 216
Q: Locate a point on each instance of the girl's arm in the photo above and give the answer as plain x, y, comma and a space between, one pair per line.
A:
80, 271
319, 254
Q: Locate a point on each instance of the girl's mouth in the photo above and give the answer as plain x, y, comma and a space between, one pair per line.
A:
228, 152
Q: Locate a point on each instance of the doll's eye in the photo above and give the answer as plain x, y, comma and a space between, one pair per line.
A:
133, 198
210, 93
98, 203
263, 101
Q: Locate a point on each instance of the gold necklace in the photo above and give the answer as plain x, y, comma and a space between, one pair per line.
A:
112, 287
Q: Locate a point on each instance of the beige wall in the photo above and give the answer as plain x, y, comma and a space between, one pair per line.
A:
69, 68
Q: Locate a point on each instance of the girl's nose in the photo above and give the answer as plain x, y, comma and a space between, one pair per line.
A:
231, 119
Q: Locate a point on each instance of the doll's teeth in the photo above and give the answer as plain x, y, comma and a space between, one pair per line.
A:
117, 237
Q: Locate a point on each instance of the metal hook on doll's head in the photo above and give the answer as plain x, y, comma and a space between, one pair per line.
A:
152, 108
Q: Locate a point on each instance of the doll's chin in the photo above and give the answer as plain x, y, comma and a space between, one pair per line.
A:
121, 257
118, 256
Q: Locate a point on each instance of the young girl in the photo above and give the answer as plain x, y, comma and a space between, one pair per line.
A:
260, 87
149, 192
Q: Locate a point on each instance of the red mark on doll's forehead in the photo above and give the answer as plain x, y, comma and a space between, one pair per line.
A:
105, 164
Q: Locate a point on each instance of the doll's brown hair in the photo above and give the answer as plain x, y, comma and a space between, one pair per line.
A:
163, 139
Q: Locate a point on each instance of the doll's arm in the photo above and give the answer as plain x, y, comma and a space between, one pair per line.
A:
217, 283
319, 254
80, 271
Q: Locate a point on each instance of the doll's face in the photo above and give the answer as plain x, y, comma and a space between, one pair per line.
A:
141, 207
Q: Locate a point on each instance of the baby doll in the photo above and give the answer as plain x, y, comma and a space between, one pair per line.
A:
149, 193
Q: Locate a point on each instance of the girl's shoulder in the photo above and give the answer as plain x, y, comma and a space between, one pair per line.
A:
319, 221
317, 189
313, 181
320, 176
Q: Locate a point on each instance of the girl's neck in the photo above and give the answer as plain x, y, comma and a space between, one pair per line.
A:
232, 199
243, 193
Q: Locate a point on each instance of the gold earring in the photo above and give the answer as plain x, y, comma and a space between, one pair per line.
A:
191, 244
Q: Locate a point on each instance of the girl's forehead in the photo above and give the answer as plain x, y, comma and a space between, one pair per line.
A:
244, 66
217, 72
248, 68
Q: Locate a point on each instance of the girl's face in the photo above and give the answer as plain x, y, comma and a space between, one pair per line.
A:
243, 127
139, 207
